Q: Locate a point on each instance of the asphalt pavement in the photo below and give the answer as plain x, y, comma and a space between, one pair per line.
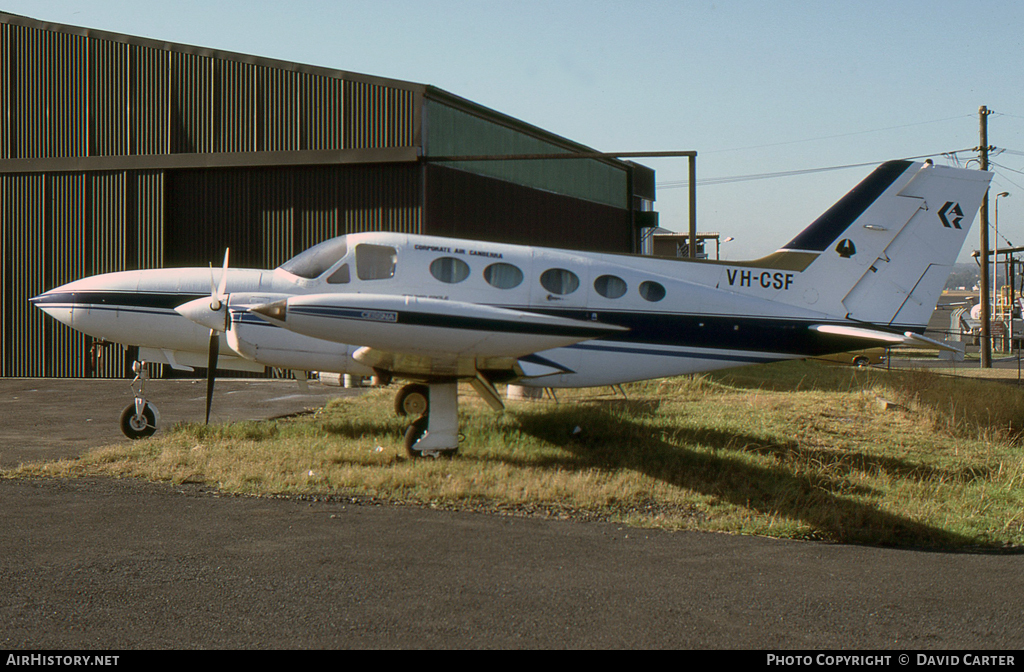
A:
125, 564
46, 419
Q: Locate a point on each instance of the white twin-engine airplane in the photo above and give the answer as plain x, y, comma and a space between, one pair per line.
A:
436, 311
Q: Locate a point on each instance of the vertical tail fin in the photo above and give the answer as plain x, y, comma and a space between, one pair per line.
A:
883, 252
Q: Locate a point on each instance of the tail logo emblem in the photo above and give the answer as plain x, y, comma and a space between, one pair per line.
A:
951, 214
846, 248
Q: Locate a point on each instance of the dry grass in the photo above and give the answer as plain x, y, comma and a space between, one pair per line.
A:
799, 450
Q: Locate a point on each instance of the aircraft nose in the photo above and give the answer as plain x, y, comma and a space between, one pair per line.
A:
58, 303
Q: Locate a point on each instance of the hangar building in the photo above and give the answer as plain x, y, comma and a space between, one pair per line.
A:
119, 152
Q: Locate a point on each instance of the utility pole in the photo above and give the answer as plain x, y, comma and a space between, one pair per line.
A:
986, 324
693, 206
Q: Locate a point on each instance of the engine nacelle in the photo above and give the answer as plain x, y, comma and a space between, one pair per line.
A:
258, 341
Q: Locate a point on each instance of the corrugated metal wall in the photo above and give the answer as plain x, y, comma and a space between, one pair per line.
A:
69, 93
378, 116
267, 215
72, 95
149, 111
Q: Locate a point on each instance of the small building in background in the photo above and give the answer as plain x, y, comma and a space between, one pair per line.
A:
669, 244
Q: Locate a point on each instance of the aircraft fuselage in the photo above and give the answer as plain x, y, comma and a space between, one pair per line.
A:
462, 301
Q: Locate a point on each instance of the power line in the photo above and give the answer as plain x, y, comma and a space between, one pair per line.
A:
788, 173
1013, 170
759, 176
1004, 177
838, 135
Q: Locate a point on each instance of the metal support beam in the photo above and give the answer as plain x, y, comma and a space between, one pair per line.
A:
561, 155
693, 206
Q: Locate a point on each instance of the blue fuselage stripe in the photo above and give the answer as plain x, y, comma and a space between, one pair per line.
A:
598, 346
669, 330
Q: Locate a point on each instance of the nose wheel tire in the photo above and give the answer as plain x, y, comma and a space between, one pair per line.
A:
138, 425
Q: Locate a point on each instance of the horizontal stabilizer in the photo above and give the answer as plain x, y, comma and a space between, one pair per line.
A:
877, 337
926, 342
880, 337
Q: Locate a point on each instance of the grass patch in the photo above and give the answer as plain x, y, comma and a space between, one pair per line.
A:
797, 450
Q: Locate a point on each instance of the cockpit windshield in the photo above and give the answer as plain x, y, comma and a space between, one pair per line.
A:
317, 259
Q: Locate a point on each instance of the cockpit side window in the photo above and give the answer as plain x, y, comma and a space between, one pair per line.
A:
317, 259
375, 262
340, 276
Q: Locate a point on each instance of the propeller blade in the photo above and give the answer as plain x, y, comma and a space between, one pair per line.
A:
218, 299
223, 288
218, 294
211, 370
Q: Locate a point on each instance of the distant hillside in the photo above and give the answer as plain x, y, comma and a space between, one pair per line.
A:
963, 276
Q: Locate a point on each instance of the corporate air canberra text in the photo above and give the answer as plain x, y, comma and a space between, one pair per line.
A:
903, 659
457, 250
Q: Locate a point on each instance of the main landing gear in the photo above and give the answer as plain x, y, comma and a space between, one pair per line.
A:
140, 418
435, 431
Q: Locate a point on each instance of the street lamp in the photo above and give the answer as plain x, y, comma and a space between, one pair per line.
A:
995, 258
718, 245
995, 268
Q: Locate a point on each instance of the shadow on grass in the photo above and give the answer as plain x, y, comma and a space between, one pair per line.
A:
608, 441
796, 375
848, 461
360, 429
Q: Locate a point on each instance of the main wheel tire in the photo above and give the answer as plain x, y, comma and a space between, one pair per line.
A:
861, 361
413, 433
412, 400
138, 427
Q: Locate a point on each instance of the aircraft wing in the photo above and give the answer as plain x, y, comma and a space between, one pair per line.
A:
429, 337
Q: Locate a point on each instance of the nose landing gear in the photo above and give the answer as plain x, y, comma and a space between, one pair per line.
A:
140, 418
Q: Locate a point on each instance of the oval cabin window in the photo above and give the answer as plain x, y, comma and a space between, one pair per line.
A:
503, 276
559, 281
449, 269
652, 291
610, 286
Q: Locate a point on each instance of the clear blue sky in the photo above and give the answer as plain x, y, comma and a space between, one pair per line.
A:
753, 87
